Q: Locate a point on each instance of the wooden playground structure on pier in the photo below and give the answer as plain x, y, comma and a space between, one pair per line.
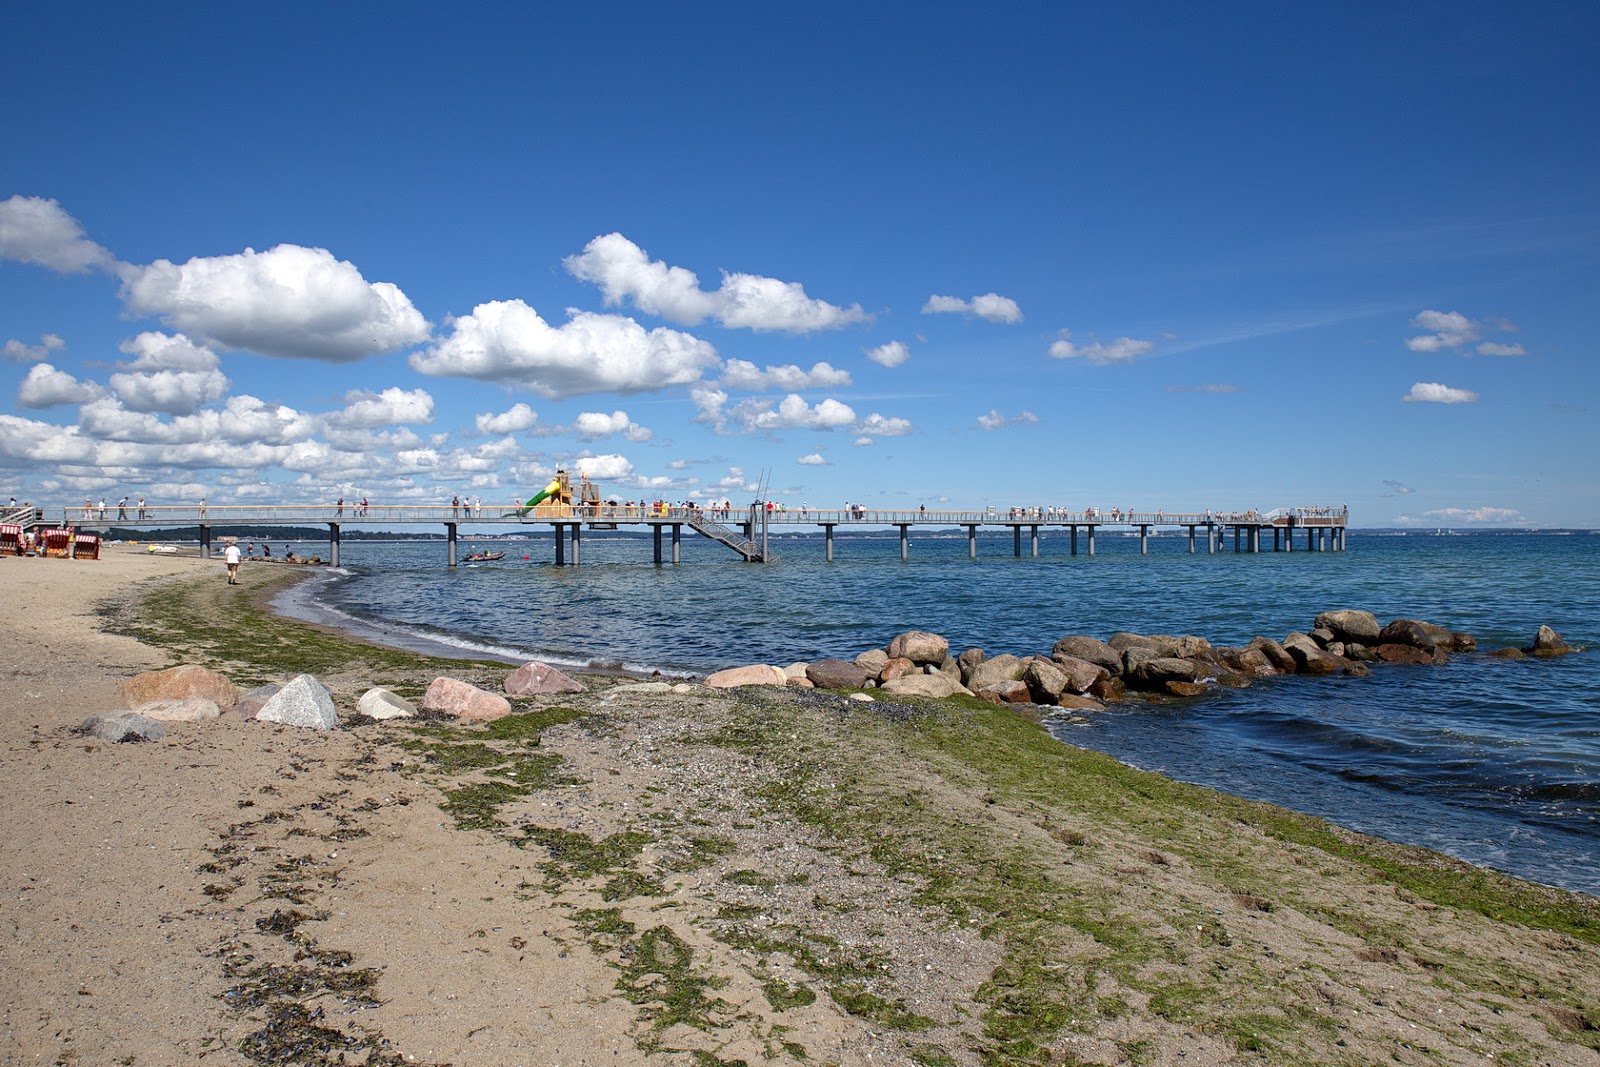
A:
569, 510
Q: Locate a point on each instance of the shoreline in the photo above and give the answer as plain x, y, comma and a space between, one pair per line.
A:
665, 876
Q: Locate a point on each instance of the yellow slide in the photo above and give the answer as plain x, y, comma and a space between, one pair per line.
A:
543, 494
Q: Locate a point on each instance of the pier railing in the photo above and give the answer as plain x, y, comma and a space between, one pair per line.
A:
287, 514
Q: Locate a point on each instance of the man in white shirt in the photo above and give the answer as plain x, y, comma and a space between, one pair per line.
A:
231, 557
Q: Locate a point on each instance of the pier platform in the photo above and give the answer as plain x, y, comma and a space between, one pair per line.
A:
746, 531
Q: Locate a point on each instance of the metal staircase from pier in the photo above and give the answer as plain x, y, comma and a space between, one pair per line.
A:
750, 550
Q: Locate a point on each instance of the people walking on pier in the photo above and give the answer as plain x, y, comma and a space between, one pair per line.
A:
455, 507
141, 506
339, 512
122, 508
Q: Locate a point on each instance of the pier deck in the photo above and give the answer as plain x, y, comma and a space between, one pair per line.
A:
743, 530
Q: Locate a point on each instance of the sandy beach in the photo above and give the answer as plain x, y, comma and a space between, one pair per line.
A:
660, 876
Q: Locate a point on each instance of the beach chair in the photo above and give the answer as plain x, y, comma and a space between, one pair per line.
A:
10, 540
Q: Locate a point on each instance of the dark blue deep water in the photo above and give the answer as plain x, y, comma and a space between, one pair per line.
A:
1496, 762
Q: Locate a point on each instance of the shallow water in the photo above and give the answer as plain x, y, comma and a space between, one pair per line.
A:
1497, 762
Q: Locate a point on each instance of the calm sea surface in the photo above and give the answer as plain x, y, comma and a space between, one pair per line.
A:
1497, 762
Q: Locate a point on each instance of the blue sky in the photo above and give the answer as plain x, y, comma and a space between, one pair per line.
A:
1147, 256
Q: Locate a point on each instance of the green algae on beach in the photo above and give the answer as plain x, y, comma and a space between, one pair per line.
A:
948, 875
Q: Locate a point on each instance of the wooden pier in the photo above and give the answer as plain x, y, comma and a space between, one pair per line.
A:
746, 531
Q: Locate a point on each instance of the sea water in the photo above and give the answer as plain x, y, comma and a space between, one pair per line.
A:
1494, 761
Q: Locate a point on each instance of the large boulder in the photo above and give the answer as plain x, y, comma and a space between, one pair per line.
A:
1109, 690
1309, 657
925, 685
872, 660
121, 726
1548, 643
189, 709
180, 683
451, 696
968, 660
1081, 674
756, 674
254, 700
1090, 649
1002, 668
1250, 662
1005, 693
1407, 632
919, 646
836, 674
303, 701
896, 667
1046, 681
1281, 661
1122, 641
1081, 703
1407, 654
537, 679
379, 703
1155, 672
1349, 625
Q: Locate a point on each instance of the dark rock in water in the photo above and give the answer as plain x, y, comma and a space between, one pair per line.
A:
836, 674
1177, 688
1548, 643
1081, 674
1081, 703
1507, 653
1350, 626
1309, 657
121, 726
1155, 672
1250, 662
919, 646
537, 679
1122, 641
1464, 642
1448, 639
1359, 652
1407, 632
1090, 649
1109, 690
1323, 637
1407, 654
1281, 660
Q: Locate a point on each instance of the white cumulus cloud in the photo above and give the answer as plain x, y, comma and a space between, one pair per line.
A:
1496, 348
609, 467
394, 406
625, 272
996, 421
591, 424
876, 425
1447, 329
742, 374
815, 459
169, 374
20, 352
36, 230
990, 306
44, 386
1437, 393
506, 341
287, 301
1122, 350
519, 417
889, 354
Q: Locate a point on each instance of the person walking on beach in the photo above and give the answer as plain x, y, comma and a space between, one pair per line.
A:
231, 558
